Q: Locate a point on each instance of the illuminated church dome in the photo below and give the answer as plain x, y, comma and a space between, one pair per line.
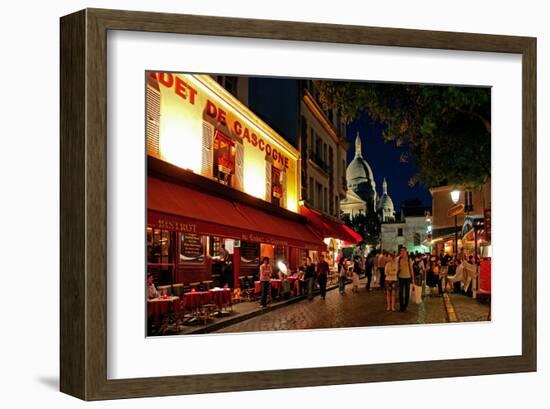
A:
385, 204
360, 178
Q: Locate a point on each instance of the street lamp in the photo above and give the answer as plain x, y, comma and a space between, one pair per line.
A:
455, 196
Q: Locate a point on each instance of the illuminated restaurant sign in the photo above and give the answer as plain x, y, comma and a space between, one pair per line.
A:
195, 124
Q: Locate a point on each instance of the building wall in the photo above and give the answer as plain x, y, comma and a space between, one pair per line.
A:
236, 85
281, 104
414, 232
325, 150
442, 202
353, 209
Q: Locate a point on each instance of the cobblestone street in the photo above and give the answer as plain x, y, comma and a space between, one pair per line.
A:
356, 310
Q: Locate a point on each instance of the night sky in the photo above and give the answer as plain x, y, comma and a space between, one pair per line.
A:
384, 160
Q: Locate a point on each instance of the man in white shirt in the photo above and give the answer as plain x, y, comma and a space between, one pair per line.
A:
152, 291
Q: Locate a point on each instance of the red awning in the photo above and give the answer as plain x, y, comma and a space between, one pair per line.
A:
182, 208
354, 234
328, 227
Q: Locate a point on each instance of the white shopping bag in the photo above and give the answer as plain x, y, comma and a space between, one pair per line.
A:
416, 294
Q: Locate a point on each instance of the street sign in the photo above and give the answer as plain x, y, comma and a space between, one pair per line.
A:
455, 210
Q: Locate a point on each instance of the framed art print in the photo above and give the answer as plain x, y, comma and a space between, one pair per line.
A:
245, 204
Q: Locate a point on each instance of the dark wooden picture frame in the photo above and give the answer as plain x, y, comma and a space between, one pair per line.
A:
83, 232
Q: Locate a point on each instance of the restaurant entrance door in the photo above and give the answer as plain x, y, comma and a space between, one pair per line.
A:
161, 255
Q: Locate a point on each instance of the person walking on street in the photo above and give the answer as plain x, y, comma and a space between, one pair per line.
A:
391, 282
342, 275
322, 273
405, 274
380, 265
356, 272
369, 264
265, 276
309, 277
436, 270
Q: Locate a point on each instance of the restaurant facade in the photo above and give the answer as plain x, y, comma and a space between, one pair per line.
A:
218, 176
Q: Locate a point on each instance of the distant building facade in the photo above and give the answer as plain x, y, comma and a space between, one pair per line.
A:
410, 229
323, 147
318, 134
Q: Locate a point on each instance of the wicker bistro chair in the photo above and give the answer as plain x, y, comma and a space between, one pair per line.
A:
206, 311
208, 284
195, 285
177, 290
164, 289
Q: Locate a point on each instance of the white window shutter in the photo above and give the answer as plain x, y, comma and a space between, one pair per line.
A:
239, 158
153, 121
207, 150
268, 181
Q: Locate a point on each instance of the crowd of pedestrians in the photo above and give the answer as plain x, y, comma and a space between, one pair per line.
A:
403, 276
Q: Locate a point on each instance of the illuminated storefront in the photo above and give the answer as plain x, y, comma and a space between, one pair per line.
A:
195, 124
217, 177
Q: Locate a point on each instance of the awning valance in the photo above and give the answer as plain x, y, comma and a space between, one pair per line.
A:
328, 228
182, 208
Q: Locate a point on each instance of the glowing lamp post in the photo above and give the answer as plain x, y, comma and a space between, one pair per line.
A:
455, 197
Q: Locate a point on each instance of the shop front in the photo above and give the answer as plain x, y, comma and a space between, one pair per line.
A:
222, 187
194, 226
477, 243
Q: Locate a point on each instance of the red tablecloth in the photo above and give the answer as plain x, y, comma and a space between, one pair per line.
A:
222, 297
157, 307
195, 299
276, 284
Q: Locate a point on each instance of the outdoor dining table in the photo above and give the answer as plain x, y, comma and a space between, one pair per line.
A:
222, 297
275, 284
157, 307
194, 299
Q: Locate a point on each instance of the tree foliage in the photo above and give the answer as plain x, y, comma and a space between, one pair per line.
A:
447, 129
368, 227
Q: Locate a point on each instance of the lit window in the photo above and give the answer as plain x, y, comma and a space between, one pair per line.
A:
224, 159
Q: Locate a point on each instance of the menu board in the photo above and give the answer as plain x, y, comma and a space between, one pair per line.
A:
192, 248
250, 252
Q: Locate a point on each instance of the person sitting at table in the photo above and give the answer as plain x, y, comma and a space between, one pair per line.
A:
152, 291
299, 282
265, 276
